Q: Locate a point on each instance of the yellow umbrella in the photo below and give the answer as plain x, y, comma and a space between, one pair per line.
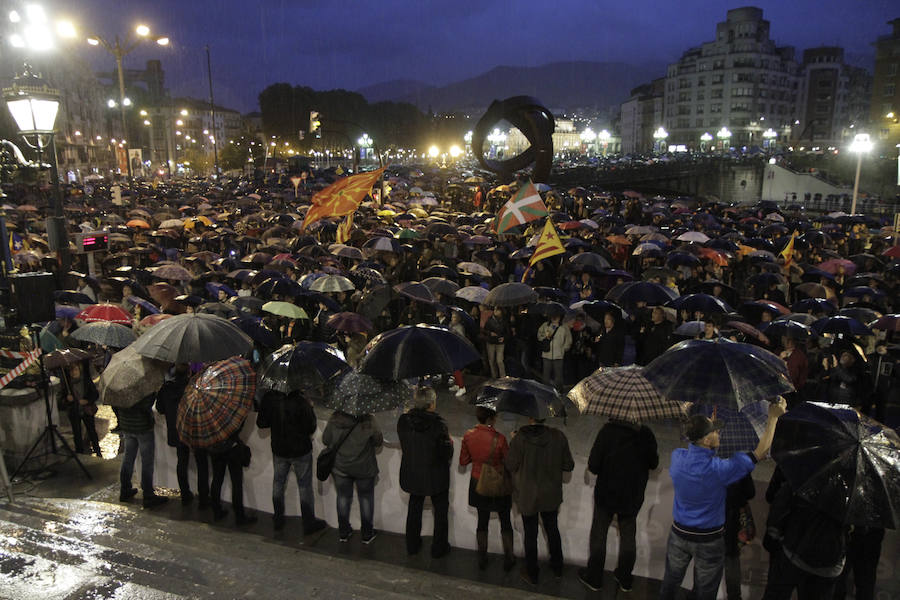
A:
418, 212
386, 213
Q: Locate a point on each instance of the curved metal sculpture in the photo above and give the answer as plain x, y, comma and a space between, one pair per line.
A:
535, 122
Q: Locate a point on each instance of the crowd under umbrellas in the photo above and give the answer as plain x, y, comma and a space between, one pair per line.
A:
232, 285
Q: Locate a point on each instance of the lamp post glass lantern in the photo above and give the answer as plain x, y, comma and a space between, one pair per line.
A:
660, 136
862, 144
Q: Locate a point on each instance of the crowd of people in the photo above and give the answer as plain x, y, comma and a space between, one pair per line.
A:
638, 275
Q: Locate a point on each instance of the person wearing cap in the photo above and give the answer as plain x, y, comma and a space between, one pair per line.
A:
700, 480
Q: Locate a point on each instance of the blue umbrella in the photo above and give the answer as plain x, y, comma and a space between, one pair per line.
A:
702, 303
66, 312
149, 307
258, 331
775, 330
813, 305
842, 326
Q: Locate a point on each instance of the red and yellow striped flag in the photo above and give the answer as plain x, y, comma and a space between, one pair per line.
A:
343, 230
788, 252
341, 197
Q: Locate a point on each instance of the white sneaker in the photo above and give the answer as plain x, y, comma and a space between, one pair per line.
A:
460, 392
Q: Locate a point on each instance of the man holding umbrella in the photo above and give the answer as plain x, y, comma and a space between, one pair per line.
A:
700, 480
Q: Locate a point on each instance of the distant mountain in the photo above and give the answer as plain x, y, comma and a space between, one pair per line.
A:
558, 85
394, 90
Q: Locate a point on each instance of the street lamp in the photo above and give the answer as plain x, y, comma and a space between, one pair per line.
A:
769, 136
34, 105
705, 139
724, 135
119, 50
604, 137
588, 137
862, 144
660, 136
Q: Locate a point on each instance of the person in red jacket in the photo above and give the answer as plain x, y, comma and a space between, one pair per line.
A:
476, 450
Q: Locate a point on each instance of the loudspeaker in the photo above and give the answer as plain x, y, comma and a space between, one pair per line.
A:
32, 297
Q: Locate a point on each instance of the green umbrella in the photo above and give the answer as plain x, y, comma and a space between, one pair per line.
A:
285, 309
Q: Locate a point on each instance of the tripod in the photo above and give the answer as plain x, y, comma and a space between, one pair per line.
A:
51, 432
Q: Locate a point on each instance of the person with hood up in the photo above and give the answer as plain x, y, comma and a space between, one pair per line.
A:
425, 470
538, 456
354, 465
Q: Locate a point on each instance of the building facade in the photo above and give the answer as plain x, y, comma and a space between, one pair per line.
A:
885, 108
641, 114
833, 100
740, 84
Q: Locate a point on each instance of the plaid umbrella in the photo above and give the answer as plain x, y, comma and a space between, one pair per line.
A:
718, 372
105, 312
360, 394
742, 429
217, 403
622, 393
105, 333
300, 367
129, 377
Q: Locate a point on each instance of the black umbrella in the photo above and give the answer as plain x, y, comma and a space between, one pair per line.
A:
700, 302
193, 338
249, 304
841, 325
220, 309
359, 394
258, 331
631, 292
300, 367
845, 464
416, 350
374, 301
510, 294
718, 372
521, 396
72, 297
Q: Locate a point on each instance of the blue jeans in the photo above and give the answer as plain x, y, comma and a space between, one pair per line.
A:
147, 445
709, 562
302, 466
365, 491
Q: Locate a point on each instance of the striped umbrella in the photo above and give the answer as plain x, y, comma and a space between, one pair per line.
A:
622, 393
217, 403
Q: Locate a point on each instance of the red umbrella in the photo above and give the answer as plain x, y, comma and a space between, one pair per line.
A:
105, 312
154, 319
349, 322
892, 252
748, 330
833, 266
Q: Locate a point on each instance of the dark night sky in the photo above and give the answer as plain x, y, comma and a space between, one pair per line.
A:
354, 43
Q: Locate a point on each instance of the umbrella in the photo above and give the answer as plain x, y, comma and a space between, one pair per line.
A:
841, 325
129, 378
220, 309
589, 259
813, 305
285, 309
258, 331
700, 303
350, 322
332, 283
105, 312
748, 330
148, 307
693, 236
471, 267
417, 350
193, 338
216, 403
631, 292
690, 328
844, 463
834, 265
718, 372
439, 285
300, 367
472, 293
521, 396
860, 313
138, 224
248, 304
622, 393
176, 272
154, 319
374, 301
359, 394
792, 329
383, 244
72, 297
887, 323
415, 291
812, 290
71, 312
105, 333
510, 294
65, 357
742, 429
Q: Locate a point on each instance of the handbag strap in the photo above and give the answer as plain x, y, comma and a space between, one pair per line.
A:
490, 459
345, 436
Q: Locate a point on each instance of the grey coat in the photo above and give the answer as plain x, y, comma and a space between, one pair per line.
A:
356, 456
538, 456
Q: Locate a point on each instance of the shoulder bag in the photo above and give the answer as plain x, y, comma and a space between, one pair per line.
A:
327, 457
494, 481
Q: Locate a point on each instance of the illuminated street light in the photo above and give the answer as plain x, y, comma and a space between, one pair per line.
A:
724, 134
705, 139
434, 151
660, 136
183, 112
142, 30
455, 151
143, 113
862, 144
768, 136
111, 103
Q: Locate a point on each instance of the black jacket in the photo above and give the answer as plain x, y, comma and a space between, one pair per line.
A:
621, 458
167, 399
655, 339
292, 421
137, 418
427, 453
611, 346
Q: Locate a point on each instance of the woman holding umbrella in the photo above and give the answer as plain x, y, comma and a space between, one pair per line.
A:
79, 396
484, 444
355, 465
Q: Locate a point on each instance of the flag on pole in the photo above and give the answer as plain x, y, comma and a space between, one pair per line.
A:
341, 197
526, 205
343, 230
548, 245
788, 252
